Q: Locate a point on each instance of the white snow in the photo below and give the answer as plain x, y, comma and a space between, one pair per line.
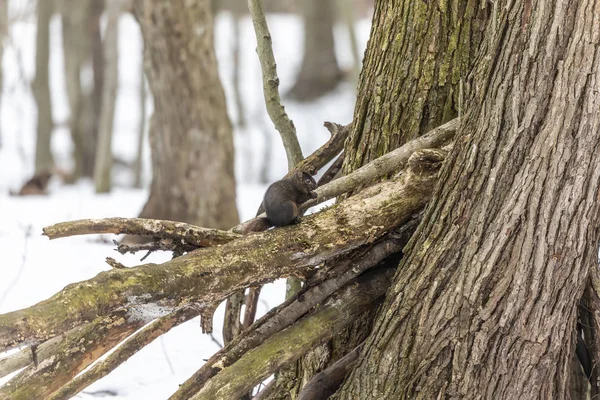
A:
34, 268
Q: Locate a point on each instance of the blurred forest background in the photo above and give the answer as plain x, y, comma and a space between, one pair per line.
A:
91, 126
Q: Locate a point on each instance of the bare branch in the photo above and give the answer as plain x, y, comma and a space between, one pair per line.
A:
251, 306
232, 326
160, 229
114, 263
80, 347
292, 343
131, 346
326, 152
277, 113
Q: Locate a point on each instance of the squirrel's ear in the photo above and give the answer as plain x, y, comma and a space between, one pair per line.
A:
300, 174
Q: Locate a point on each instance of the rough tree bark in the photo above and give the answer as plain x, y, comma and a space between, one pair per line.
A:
418, 54
319, 73
398, 98
41, 88
484, 304
190, 133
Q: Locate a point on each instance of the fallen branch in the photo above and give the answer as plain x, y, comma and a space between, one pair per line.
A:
276, 112
131, 346
80, 347
190, 234
25, 356
289, 312
216, 272
292, 343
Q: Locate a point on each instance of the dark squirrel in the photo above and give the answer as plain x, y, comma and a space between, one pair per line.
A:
282, 199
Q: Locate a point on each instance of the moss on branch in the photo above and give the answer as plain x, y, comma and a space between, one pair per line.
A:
213, 273
290, 344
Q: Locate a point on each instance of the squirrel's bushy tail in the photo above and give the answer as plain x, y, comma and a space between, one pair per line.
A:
258, 225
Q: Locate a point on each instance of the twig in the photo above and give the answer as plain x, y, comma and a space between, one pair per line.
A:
131, 346
276, 112
114, 263
160, 229
162, 245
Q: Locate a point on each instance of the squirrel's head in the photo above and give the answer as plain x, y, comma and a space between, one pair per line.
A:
305, 181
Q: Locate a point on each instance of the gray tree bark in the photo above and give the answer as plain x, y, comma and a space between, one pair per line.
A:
319, 73
41, 88
484, 304
190, 133
104, 158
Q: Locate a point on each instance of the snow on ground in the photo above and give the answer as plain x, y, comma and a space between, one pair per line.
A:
34, 268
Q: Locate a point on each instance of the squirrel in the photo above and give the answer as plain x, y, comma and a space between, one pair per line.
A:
282, 199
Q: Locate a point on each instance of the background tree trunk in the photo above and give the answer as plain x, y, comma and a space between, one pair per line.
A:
3, 36
104, 161
137, 166
484, 304
76, 51
190, 133
319, 73
41, 88
384, 64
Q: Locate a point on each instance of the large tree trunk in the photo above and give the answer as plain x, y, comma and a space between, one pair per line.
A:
190, 133
371, 136
418, 58
41, 88
484, 304
319, 72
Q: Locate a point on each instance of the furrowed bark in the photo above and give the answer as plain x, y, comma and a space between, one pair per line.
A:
484, 304
592, 304
159, 229
80, 348
214, 273
131, 346
289, 312
290, 344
